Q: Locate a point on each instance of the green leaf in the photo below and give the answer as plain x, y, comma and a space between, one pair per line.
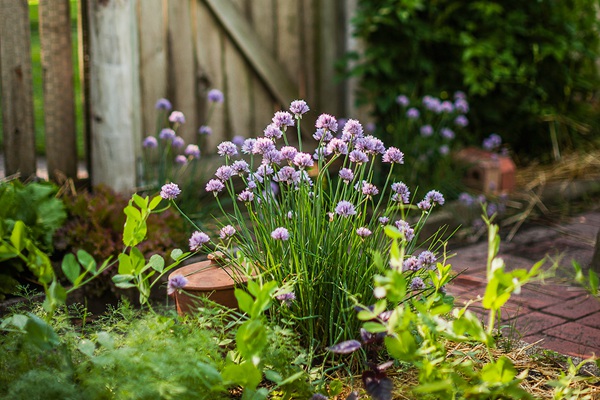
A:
154, 202
123, 281
501, 371
125, 266
393, 232
210, 376
87, 261
402, 346
137, 260
19, 321
71, 268
374, 327
245, 301
244, 374
17, 237
273, 376
175, 254
140, 201
57, 292
106, 340
87, 347
593, 282
251, 338
157, 262
40, 334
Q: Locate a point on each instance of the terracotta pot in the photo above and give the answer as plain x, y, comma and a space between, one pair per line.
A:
206, 279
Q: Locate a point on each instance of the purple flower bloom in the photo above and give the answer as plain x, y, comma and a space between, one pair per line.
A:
370, 127
337, 146
447, 133
352, 129
444, 149
177, 117
383, 220
238, 140
402, 100
170, 191
215, 96
197, 240
435, 197
248, 145
240, 167
492, 142
167, 134
288, 153
163, 104
401, 192
426, 130
368, 189
433, 104
327, 122
283, 119
320, 153
412, 113
272, 131
466, 199
205, 130
299, 107
461, 121
357, 156
180, 159
461, 106
424, 205
150, 142
176, 282
303, 160
227, 148
369, 145
286, 298
405, 229
224, 172
322, 134
459, 95
363, 232
287, 175
280, 234
263, 145
447, 106
263, 170
192, 150
272, 157
411, 264
393, 155
346, 174
226, 232
177, 142
246, 196
215, 186
427, 258
417, 284
345, 209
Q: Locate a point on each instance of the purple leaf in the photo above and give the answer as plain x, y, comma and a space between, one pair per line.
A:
352, 396
345, 347
378, 385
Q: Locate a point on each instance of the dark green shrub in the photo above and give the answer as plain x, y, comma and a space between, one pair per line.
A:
526, 66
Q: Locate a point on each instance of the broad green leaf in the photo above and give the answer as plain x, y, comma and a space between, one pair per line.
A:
251, 338
19, 321
401, 347
374, 327
157, 262
106, 340
125, 266
244, 374
154, 202
57, 292
17, 237
292, 378
137, 260
210, 376
87, 261
593, 282
175, 254
123, 281
273, 376
71, 268
40, 334
393, 232
245, 301
87, 347
501, 371
140, 201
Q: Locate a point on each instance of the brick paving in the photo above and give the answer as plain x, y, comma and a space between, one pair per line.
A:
559, 314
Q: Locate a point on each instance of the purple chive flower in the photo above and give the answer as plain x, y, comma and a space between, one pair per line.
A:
286, 298
327, 122
170, 191
177, 117
177, 142
322, 135
461, 106
461, 121
459, 95
192, 150
402, 100
363, 232
337, 146
299, 107
466, 199
447, 106
197, 240
248, 145
205, 130
433, 104
167, 134
424, 205
352, 129
444, 149
383, 220
246, 196
283, 119
224, 172
405, 229
238, 140
492, 142
369, 145
368, 189
150, 142
240, 167
280, 234
303, 160
401, 192
263, 170
320, 153
263, 145
393, 155
345, 209
370, 127
226, 232
426, 130
435, 197
357, 156
215, 186
215, 96
288, 153
272, 131
447, 133
342, 123
272, 157
412, 113
180, 159
346, 174
227, 148
417, 284
287, 175
163, 104
175, 283
411, 264
427, 258
252, 183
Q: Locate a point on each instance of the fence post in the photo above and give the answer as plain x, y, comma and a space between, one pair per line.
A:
17, 88
59, 104
114, 93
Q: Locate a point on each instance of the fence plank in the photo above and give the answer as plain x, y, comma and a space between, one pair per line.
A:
114, 93
17, 88
59, 103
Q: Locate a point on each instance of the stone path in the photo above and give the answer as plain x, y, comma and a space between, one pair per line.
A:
558, 312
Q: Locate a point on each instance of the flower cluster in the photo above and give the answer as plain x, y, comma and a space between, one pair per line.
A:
314, 218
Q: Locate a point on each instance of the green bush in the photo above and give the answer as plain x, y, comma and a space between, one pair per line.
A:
526, 66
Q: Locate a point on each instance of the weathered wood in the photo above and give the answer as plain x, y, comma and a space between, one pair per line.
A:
265, 65
152, 15
182, 67
329, 98
17, 88
114, 93
59, 101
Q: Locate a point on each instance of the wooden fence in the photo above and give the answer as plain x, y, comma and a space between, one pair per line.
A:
261, 54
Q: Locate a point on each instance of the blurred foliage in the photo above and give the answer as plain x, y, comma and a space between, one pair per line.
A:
528, 67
